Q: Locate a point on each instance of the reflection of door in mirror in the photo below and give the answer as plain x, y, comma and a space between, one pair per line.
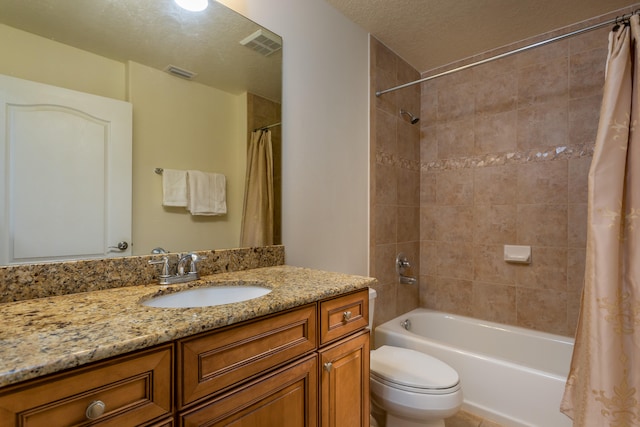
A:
78, 204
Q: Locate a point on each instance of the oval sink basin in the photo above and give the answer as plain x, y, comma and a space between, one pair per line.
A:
207, 297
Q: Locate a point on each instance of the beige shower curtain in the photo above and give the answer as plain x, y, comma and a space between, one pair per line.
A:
603, 388
257, 216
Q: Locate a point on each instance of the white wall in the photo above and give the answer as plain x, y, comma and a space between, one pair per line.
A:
325, 120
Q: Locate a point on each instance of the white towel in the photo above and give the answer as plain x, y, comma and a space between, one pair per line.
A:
207, 193
174, 187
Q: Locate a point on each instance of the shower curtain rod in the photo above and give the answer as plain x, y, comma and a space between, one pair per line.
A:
267, 127
616, 20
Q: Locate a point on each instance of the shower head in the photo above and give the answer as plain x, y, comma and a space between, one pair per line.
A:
412, 119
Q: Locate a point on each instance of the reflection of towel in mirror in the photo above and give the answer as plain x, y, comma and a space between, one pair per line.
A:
207, 193
174, 187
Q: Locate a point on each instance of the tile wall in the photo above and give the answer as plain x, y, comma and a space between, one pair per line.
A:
395, 192
504, 153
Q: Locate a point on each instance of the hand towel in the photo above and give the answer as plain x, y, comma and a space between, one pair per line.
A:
174, 187
206, 193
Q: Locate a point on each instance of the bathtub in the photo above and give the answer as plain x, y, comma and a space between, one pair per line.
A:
513, 376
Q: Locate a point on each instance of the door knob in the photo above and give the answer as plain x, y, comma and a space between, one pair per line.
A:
121, 246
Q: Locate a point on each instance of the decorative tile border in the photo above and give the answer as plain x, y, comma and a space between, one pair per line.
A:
473, 162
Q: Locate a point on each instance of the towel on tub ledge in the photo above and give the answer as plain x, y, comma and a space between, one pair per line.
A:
206, 193
174, 187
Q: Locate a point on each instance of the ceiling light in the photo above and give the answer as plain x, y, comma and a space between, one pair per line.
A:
193, 5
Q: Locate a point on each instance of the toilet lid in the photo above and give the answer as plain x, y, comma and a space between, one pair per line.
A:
410, 368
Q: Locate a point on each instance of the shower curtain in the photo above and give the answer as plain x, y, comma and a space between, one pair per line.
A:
603, 388
257, 216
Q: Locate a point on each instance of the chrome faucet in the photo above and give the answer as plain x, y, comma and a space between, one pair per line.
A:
402, 265
190, 258
181, 275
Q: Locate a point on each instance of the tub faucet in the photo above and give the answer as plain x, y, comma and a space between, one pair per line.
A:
402, 264
406, 280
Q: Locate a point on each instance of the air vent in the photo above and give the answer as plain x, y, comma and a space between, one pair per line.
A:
180, 72
263, 42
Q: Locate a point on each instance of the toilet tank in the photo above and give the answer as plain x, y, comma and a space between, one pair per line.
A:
372, 303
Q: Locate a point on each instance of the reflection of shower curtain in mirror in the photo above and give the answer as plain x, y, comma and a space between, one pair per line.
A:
257, 216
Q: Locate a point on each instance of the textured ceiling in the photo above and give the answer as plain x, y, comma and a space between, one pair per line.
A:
156, 33
431, 33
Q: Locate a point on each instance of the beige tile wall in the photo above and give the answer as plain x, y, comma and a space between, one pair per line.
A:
506, 148
503, 156
395, 192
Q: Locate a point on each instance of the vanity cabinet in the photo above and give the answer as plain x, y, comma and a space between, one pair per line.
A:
135, 389
344, 361
303, 367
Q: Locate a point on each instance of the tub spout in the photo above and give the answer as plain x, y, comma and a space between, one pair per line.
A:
406, 280
406, 324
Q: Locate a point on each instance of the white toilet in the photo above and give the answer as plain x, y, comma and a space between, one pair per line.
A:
409, 388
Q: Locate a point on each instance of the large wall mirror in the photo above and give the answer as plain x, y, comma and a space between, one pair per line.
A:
123, 49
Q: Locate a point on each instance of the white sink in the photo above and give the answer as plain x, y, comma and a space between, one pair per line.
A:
207, 296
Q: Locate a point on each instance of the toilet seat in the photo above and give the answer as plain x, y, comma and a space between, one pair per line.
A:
410, 370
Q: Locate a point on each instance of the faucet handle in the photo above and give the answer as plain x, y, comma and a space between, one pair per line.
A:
194, 260
165, 264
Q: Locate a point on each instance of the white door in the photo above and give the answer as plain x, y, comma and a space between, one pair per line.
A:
65, 180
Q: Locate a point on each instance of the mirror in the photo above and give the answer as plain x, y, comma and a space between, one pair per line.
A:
122, 49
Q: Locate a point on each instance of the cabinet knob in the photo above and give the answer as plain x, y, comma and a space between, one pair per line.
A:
328, 366
346, 316
95, 409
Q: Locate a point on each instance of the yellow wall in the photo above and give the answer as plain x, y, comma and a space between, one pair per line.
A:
27, 56
177, 124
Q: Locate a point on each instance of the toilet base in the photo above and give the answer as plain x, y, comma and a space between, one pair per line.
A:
386, 419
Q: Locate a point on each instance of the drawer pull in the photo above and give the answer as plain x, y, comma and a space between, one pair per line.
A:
95, 409
346, 316
328, 366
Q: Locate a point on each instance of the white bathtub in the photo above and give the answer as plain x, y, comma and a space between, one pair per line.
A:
511, 375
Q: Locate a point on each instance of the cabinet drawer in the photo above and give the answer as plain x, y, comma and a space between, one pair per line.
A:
135, 390
215, 361
169, 422
287, 397
343, 315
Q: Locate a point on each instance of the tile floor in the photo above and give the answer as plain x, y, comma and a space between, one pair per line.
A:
466, 419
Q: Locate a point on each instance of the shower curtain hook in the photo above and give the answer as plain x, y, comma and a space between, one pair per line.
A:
616, 25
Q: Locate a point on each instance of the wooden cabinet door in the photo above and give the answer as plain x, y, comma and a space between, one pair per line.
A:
285, 398
344, 383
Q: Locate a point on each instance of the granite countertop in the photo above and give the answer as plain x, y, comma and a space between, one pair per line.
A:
46, 335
